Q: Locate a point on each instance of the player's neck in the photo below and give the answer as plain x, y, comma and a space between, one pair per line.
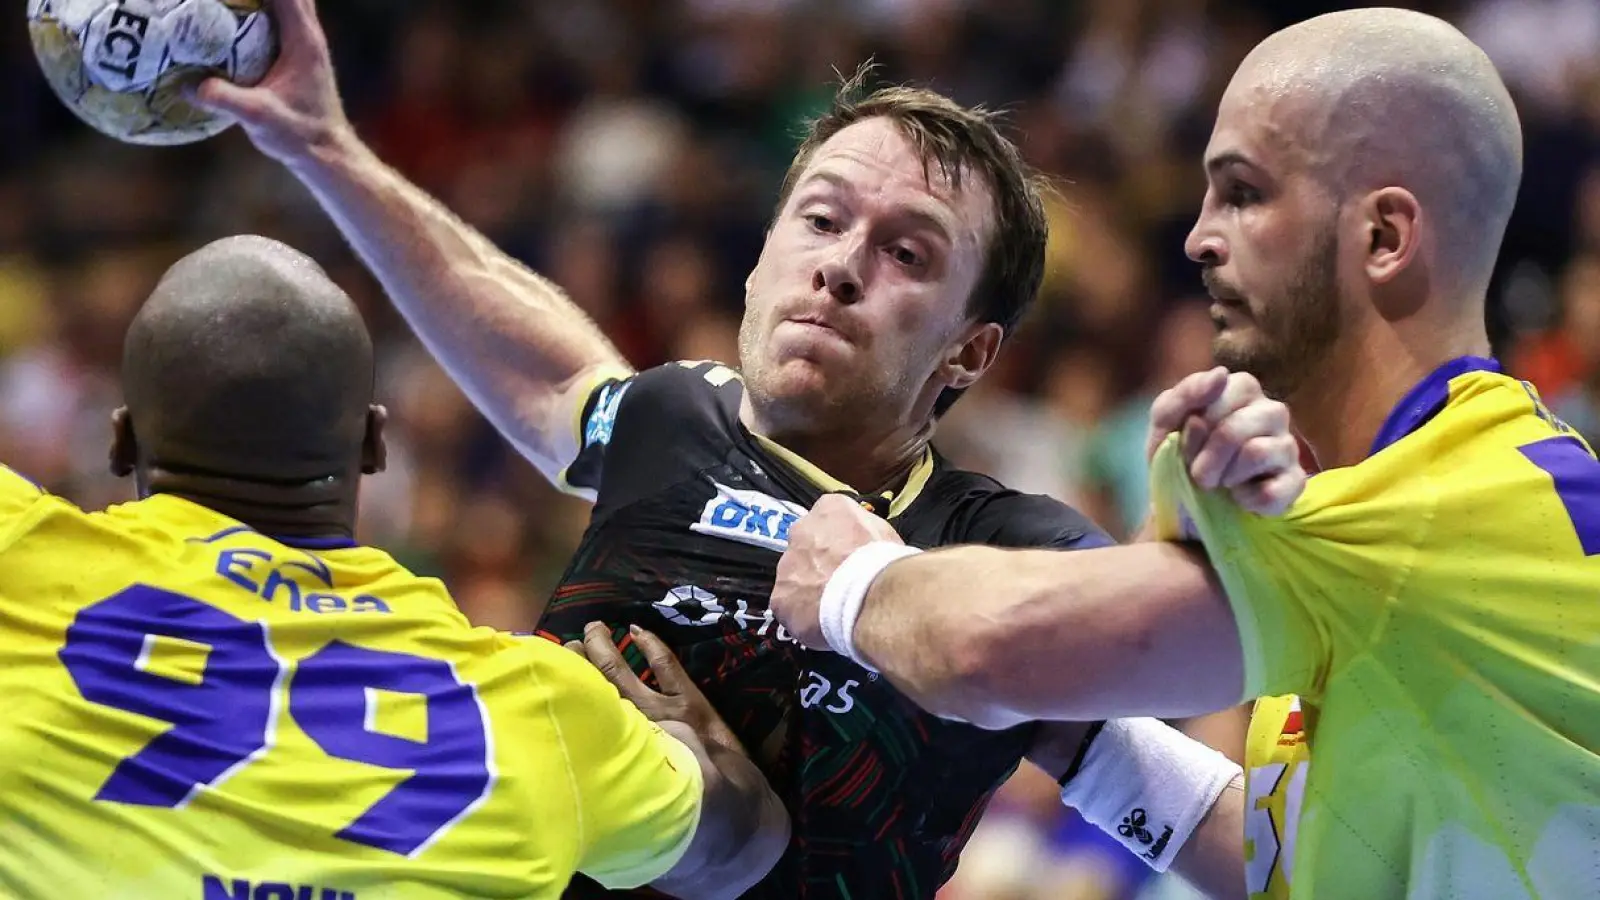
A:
321, 509
869, 460
1347, 398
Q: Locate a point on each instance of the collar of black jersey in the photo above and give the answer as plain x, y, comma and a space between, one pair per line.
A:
887, 503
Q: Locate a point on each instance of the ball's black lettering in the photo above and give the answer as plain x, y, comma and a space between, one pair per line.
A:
119, 52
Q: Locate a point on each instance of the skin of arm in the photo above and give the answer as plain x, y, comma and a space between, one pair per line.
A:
520, 349
744, 828
1145, 629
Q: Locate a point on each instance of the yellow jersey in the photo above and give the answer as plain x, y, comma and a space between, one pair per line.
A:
196, 710
1436, 608
1277, 763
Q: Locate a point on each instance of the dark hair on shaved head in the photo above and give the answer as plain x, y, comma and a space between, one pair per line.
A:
957, 141
247, 362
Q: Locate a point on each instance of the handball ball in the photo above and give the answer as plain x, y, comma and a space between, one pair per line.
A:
123, 65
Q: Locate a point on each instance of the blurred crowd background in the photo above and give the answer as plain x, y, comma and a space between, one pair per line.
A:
631, 149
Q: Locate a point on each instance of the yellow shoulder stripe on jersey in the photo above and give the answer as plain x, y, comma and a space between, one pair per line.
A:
590, 383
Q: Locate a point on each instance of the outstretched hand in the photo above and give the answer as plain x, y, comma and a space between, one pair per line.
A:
1234, 438
678, 700
296, 106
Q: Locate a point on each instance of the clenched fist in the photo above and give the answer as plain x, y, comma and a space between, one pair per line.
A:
1234, 438
823, 538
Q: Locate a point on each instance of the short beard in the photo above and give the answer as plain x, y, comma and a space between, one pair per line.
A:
1297, 330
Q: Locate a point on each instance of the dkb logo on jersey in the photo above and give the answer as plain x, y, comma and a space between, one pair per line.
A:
749, 517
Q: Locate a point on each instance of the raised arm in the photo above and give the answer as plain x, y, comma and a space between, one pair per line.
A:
519, 348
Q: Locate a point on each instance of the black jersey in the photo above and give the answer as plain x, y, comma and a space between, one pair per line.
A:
691, 514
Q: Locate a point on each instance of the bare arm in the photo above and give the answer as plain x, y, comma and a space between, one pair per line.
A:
513, 341
744, 827
1140, 630
743, 831
1213, 857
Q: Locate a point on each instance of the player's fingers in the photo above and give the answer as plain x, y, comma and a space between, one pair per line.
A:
663, 662
222, 95
1261, 457
1175, 404
1272, 496
604, 655
1196, 431
297, 22
1262, 418
1241, 390
576, 647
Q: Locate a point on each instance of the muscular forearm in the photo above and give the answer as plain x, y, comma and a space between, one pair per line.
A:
998, 637
743, 830
509, 337
1213, 857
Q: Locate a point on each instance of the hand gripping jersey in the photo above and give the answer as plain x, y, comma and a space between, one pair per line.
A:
692, 513
195, 711
1436, 608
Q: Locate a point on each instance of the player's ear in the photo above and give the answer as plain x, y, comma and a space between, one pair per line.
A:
1392, 218
124, 447
967, 361
374, 452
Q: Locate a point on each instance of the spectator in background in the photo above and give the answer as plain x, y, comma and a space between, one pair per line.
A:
1579, 402
1114, 470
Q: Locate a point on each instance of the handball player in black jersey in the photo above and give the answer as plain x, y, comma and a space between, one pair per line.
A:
907, 241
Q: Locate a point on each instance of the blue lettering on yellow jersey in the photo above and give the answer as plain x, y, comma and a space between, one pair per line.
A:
1436, 609
208, 712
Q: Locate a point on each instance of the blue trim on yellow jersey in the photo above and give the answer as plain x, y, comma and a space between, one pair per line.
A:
226, 532
1424, 401
316, 543
298, 543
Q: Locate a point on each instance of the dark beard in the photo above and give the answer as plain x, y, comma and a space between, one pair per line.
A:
1296, 330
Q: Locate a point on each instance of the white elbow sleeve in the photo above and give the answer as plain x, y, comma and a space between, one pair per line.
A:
1148, 785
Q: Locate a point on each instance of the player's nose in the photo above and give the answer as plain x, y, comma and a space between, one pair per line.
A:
839, 273
1205, 243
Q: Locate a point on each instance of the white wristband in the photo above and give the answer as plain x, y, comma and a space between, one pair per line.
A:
1148, 785
847, 589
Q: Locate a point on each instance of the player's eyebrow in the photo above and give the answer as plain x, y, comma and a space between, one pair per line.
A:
1228, 158
918, 214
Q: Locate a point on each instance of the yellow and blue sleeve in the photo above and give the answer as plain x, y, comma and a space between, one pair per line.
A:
639, 789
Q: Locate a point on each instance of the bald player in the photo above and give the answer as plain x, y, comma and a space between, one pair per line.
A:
1422, 622
214, 693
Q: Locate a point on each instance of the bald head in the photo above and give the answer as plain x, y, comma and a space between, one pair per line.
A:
1373, 98
247, 362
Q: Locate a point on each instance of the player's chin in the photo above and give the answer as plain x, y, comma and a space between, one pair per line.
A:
806, 382
1237, 347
